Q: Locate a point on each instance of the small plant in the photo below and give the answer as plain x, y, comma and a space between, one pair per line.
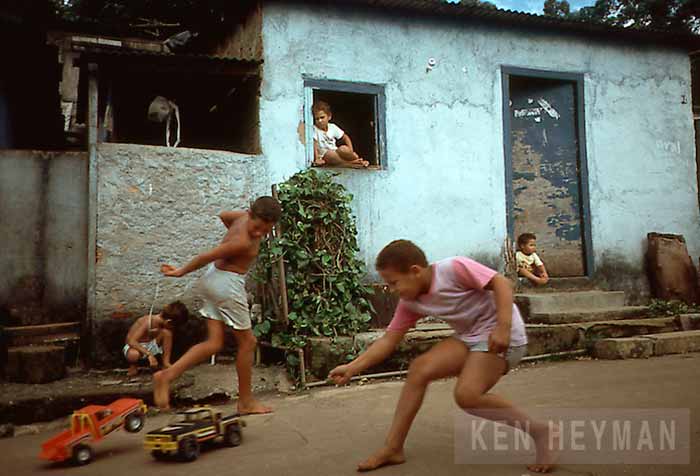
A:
661, 307
325, 291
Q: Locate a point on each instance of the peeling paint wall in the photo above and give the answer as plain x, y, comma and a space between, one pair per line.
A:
160, 205
444, 185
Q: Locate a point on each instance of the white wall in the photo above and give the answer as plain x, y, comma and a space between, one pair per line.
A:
444, 183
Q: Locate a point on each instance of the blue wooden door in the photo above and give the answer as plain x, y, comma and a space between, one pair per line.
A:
546, 178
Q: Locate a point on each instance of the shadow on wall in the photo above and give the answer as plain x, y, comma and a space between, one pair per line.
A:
616, 272
27, 304
491, 260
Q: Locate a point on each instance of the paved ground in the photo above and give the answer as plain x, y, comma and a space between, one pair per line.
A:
327, 431
22, 404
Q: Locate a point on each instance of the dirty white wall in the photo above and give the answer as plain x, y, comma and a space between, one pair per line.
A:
444, 182
160, 205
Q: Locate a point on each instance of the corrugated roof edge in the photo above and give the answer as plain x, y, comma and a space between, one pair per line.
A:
157, 54
515, 18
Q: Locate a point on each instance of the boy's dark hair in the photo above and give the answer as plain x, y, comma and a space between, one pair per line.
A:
321, 106
176, 312
400, 255
267, 209
524, 238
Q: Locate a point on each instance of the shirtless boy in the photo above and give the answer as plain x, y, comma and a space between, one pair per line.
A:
222, 289
151, 335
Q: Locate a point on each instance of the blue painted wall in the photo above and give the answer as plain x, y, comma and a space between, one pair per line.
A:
444, 184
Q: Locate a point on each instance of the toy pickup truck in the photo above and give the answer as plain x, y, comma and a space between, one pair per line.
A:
90, 425
195, 426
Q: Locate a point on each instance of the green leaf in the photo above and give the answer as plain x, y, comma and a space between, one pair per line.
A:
324, 276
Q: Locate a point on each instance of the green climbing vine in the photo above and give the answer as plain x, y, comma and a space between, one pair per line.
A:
325, 291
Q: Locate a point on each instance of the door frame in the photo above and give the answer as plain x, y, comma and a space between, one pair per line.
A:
584, 198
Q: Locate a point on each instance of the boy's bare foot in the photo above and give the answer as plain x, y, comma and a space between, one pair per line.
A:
253, 407
545, 460
383, 457
161, 391
319, 162
132, 371
360, 160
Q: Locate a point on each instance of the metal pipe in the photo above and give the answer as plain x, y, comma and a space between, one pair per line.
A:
280, 269
396, 373
566, 353
399, 373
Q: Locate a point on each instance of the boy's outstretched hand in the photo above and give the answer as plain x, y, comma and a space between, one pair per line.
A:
170, 271
340, 375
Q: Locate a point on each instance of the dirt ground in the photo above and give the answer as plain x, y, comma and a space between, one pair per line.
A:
329, 430
24, 404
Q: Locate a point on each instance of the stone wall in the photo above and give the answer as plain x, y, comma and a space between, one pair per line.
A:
159, 205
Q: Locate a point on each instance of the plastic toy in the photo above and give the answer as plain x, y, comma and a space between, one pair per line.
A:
90, 425
195, 426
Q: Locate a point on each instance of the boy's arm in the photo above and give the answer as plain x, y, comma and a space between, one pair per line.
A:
138, 330
317, 153
542, 278
347, 141
227, 218
376, 353
542, 273
499, 340
223, 251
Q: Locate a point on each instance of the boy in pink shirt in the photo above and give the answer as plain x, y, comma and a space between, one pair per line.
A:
489, 339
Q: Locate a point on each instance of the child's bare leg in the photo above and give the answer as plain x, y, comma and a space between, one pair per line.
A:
333, 159
351, 156
166, 342
444, 360
481, 372
196, 354
132, 356
247, 342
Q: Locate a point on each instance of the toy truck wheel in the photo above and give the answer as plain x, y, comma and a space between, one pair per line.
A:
133, 423
232, 435
188, 449
159, 455
82, 454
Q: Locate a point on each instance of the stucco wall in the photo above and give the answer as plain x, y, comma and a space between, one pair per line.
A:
444, 183
160, 205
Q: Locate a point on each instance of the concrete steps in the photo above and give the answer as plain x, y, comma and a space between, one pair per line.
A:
645, 346
40, 353
552, 302
543, 338
556, 322
578, 283
586, 315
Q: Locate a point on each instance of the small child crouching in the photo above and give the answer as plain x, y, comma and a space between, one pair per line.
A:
152, 335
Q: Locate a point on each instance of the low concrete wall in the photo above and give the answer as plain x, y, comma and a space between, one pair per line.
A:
159, 205
43, 213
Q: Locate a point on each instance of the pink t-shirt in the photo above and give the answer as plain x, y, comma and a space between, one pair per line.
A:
458, 297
